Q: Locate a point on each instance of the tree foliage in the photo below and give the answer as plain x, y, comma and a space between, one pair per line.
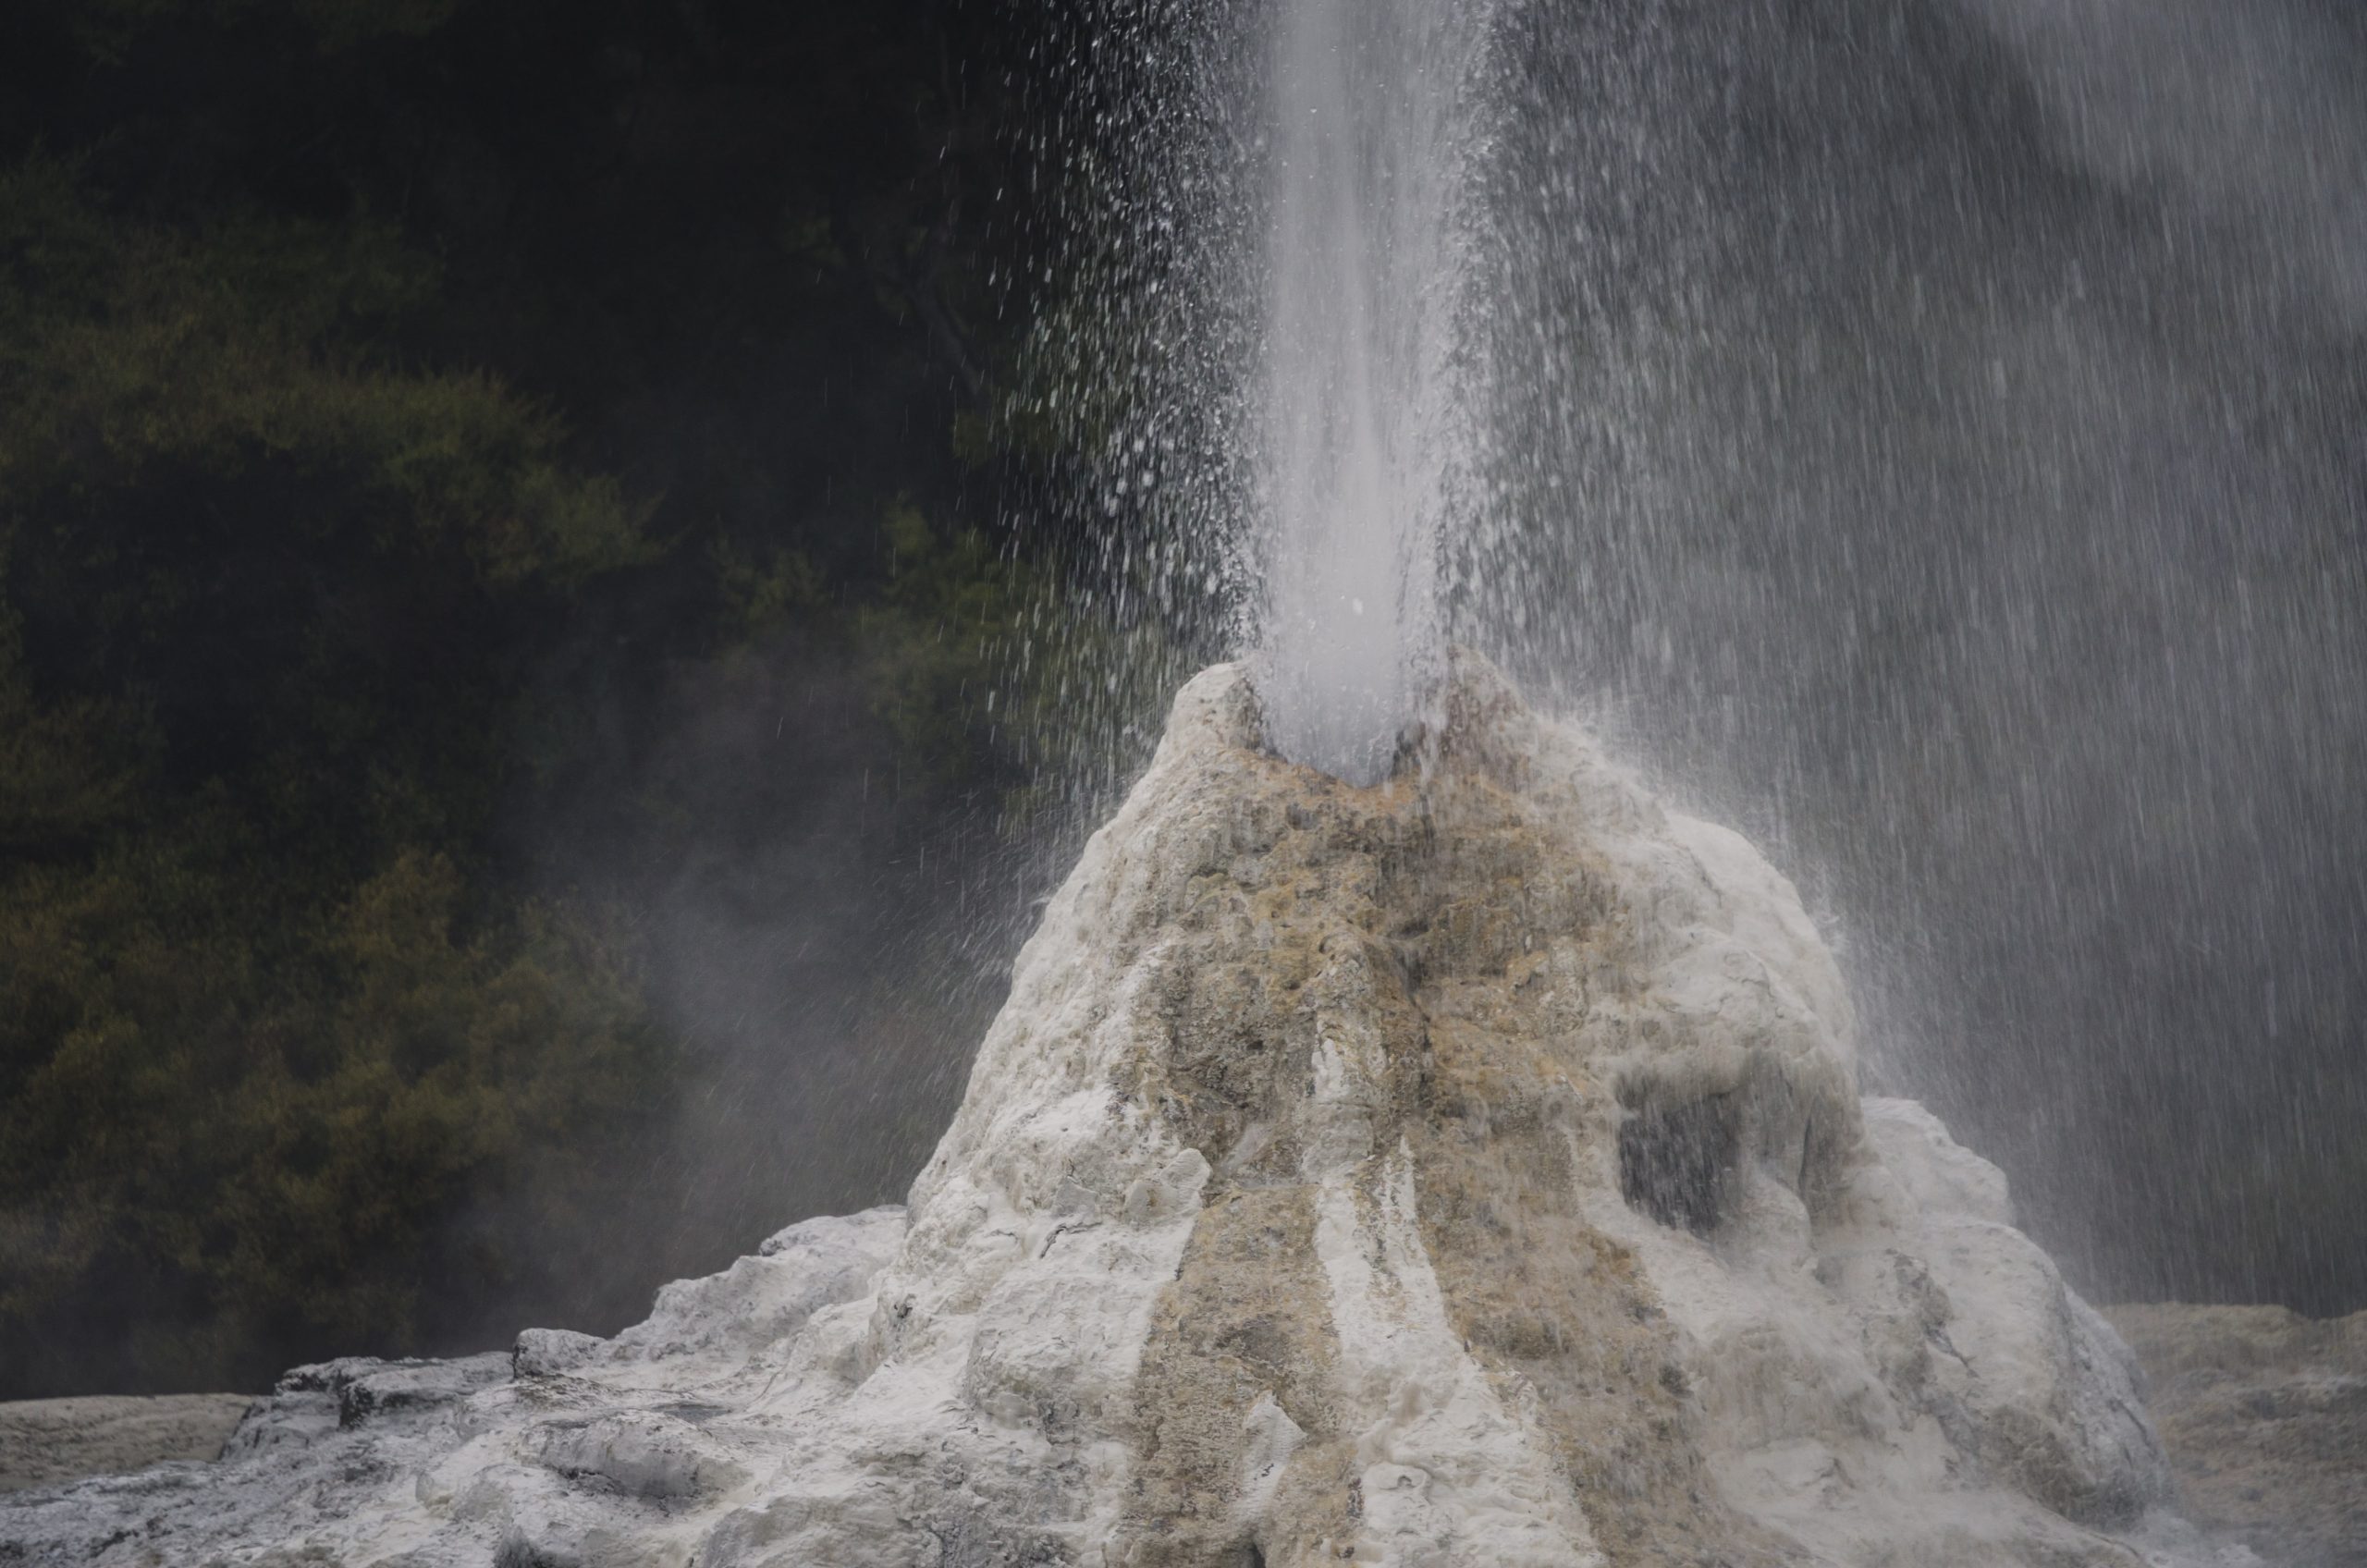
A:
396, 400
259, 1035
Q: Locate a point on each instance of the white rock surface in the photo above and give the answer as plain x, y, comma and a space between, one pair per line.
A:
1463, 1172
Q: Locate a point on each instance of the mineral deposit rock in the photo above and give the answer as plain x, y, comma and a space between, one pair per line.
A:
2264, 1412
1467, 1171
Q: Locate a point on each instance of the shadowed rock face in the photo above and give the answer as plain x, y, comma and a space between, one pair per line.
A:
2264, 1414
1463, 1170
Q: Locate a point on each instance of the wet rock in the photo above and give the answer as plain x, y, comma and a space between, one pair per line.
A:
642, 1453
365, 1390
544, 1353
2265, 1414
46, 1441
1466, 1172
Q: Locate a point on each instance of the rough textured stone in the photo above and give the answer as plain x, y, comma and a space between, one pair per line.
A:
1467, 1171
2264, 1414
44, 1441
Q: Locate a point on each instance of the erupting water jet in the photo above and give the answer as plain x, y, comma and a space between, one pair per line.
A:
1463, 1167
1378, 110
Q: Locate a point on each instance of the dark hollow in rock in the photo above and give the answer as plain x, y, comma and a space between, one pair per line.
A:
517, 1552
1677, 1161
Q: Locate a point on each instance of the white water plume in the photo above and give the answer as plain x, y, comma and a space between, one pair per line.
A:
1378, 110
1930, 432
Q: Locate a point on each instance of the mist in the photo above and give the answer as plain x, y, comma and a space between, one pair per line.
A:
1949, 474
1958, 485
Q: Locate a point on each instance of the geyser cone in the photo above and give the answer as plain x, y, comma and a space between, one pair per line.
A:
1462, 1170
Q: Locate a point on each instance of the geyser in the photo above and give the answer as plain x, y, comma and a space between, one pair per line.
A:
1465, 1172
1377, 109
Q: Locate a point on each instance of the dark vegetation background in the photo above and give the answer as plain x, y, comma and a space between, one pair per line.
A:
548, 645
504, 542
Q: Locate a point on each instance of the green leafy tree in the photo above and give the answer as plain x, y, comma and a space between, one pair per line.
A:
263, 1040
342, 780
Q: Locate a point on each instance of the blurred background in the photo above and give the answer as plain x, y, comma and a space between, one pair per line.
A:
564, 595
